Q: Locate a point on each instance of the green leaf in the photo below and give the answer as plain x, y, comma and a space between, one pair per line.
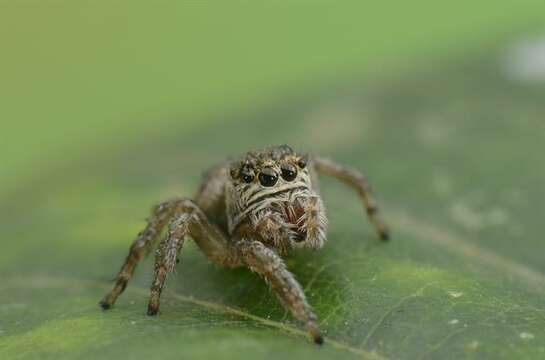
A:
460, 178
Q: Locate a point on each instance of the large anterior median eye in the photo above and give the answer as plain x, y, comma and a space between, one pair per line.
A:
289, 172
268, 177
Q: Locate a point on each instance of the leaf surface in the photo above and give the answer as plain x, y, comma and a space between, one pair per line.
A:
460, 178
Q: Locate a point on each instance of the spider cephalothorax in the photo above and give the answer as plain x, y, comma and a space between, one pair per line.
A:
272, 190
248, 212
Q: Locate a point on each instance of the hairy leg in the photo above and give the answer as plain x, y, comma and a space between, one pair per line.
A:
166, 256
270, 266
355, 179
190, 220
209, 238
141, 247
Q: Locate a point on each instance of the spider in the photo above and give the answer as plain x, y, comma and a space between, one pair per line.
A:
249, 212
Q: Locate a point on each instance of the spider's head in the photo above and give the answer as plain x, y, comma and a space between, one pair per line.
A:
267, 173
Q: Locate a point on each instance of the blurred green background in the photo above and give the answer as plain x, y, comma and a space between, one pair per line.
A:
107, 108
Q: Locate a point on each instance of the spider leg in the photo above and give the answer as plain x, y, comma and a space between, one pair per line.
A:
166, 256
270, 266
355, 179
190, 220
141, 247
209, 238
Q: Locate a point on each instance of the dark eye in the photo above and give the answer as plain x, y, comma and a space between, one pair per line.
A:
247, 174
289, 172
248, 178
268, 177
303, 162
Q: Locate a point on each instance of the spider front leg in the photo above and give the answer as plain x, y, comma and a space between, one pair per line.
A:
189, 221
141, 246
187, 215
270, 266
355, 179
166, 256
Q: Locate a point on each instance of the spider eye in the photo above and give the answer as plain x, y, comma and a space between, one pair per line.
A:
289, 172
302, 163
268, 177
247, 174
248, 178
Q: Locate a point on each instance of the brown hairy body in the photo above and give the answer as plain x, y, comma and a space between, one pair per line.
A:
249, 212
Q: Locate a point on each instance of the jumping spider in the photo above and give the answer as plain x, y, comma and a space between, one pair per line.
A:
248, 212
